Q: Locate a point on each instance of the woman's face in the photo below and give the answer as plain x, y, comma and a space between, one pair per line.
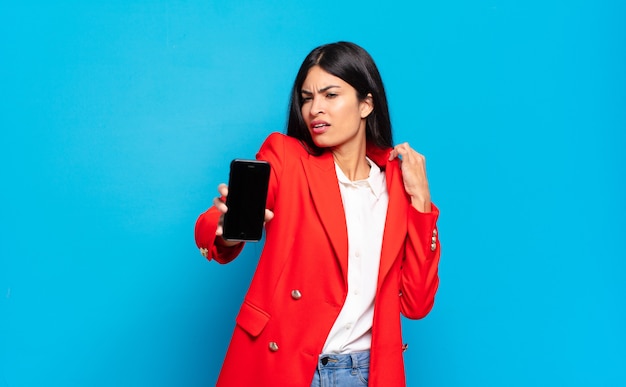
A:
332, 111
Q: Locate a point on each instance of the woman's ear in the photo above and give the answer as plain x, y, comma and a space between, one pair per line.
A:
367, 105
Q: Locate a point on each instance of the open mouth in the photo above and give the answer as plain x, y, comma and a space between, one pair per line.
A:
319, 127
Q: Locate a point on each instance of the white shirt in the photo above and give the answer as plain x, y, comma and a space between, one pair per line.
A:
365, 205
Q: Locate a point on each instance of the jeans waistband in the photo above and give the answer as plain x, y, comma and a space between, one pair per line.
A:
348, 360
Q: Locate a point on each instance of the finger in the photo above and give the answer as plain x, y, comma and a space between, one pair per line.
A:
269, 215
410, 155
220, 205
400, 151
397, 152
222, 189
219, 231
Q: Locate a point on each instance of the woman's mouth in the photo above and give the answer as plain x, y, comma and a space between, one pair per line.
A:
319, 127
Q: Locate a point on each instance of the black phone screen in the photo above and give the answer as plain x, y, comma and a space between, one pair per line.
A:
247, 194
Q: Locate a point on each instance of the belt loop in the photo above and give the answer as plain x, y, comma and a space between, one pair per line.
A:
355, 361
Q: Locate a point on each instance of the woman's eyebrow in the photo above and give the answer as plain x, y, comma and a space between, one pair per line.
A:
322, 90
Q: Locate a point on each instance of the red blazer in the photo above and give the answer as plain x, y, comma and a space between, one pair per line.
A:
300, 283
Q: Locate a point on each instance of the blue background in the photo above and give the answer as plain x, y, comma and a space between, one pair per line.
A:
119, 119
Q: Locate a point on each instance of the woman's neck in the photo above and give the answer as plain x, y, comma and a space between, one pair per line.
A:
353, 163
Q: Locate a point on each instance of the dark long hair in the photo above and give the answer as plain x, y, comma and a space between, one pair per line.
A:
355, 66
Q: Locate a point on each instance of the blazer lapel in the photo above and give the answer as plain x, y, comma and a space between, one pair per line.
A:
395, 222
324, 187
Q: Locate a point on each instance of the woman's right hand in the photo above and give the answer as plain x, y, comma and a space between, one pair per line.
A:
220, 203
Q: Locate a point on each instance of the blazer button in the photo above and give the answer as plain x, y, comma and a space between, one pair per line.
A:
204, 252
273, 346
433, 247
295, 294
435, 232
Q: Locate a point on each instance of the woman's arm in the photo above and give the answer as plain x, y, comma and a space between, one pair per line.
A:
419, 277
419, 274
208, 231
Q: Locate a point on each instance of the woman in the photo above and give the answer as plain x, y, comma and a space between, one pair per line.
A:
351, 239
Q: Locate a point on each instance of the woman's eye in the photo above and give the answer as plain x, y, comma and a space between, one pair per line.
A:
306, 99
331, 95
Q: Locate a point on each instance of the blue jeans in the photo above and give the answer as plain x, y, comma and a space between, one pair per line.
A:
349, 370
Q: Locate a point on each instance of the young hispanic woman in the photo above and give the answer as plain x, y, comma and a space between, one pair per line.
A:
350, 238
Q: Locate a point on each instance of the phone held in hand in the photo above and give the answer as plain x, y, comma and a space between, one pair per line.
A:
247, 194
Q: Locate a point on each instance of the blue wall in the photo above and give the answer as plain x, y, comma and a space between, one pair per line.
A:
119, 119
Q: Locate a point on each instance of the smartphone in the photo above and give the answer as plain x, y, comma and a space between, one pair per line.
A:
247, 193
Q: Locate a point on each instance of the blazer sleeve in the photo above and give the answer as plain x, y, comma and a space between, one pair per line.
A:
206, 239
419, 275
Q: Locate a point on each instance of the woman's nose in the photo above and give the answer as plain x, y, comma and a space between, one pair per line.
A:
316, 106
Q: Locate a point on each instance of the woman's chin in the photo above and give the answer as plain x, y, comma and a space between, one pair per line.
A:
320, 141
321, 144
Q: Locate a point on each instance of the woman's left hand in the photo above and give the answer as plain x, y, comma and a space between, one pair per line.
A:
413, 166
